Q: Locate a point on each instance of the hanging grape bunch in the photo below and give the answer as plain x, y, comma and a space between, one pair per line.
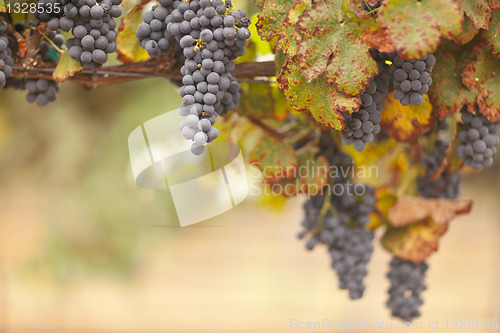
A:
412, 79
478, 140
211, 38
93, 27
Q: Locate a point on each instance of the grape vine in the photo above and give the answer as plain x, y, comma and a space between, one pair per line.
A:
414, 98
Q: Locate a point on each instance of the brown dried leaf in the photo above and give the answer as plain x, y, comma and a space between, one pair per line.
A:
409, 210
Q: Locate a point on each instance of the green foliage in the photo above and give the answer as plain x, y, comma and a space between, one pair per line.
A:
329, 32
275, 21
492, 36
478, 11
323, 101
415, 26
448, 93
481, 76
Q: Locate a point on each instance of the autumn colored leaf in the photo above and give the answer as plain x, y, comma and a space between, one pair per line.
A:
329, 33
482, 76
378, 39
321, 100
478, 11
276, 19
405, 123
409, 210
494, 3
415, 242
448, 94
310, 175
469, 31
127, 45
275, 159
416, 27
65, 67
492, 36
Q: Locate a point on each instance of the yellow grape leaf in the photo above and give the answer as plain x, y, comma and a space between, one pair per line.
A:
65, 67
127, 45
405, 123
415, 242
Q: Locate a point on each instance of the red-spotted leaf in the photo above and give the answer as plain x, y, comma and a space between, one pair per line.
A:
65, 67
492, 36
275, 159
277, 19
328, 33
324, 102
416, 27
478, 11
128, 48
448, 93
469, 31
482, 75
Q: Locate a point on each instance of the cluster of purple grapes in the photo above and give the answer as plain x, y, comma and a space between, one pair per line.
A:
152, 33
478, 140
407, 282
363, 125
411, 79
6, 60
41, 91
447, 184
211, 37
92, 24
349, 242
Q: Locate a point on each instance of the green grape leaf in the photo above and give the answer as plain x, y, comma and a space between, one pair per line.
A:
276, 19
127, 45
275, 159
65, 67
329, 33
324, 102
415, 242
416, 27
492, 36
469, 31
3, 9
448, 93
405, 123
481, 76
478, 11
